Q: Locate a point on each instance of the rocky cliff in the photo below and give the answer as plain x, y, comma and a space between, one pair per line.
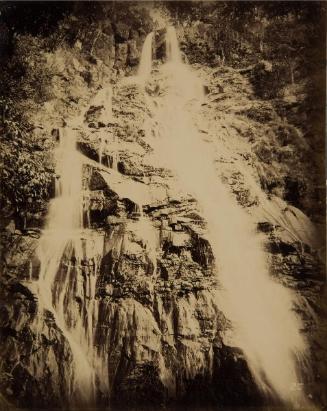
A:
143, 290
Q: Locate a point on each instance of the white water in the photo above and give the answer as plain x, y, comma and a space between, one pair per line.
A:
103, 98
145, 65
101, 148
172, 48
70, 255
61, 250
265, 326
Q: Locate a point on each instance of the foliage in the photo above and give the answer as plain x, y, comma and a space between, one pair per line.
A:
287, 35
28, 33
26, 71
291, 34
37, 18
25, 176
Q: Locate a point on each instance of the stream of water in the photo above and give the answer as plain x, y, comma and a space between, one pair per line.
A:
64, 247
261, 310
265, 326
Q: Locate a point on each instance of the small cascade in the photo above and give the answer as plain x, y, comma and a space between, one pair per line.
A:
139, 209
101, 148
145, 230
111, 157
86, 209
30, 271
108, 98
145, 65
103, 100
187, 87
137, 212
65, 209
69, 261
57, 186
114, 158
110, 161
261, 310
172, 48
115, 154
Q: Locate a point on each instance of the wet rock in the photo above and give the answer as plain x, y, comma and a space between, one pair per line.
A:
294, 191
139, 385
121, 55
34, 353
122, 31
201, 251
96, 200
88, 150
133, 53
228, 359
158, 319
265, 227
104, 48
160, 42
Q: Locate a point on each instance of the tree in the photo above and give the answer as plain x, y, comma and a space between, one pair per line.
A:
25, 169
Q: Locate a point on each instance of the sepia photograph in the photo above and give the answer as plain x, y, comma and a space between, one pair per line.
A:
163, 206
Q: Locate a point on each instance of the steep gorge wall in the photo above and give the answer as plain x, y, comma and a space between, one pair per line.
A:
158, 317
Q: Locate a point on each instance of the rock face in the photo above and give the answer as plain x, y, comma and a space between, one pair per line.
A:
33, 349
146, 296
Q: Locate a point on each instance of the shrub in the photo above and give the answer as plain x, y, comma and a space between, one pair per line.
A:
25, 175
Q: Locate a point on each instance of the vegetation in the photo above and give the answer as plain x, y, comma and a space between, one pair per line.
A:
25, 175
281, 42
29, 33
25, 160
281, 46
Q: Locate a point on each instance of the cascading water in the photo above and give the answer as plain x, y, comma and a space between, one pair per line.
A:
70, 255
265, 326
172, 48
65, 249
101, 147
145, 65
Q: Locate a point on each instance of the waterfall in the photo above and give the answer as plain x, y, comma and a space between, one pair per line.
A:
265, 326
172, 48
114, 161
101, 147
109, 103
261, 310
62, 289
65, 209
145, 65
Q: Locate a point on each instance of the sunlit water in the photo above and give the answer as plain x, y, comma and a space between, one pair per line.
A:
265, 325
145, 65
66, 245
261, 310
62, 248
